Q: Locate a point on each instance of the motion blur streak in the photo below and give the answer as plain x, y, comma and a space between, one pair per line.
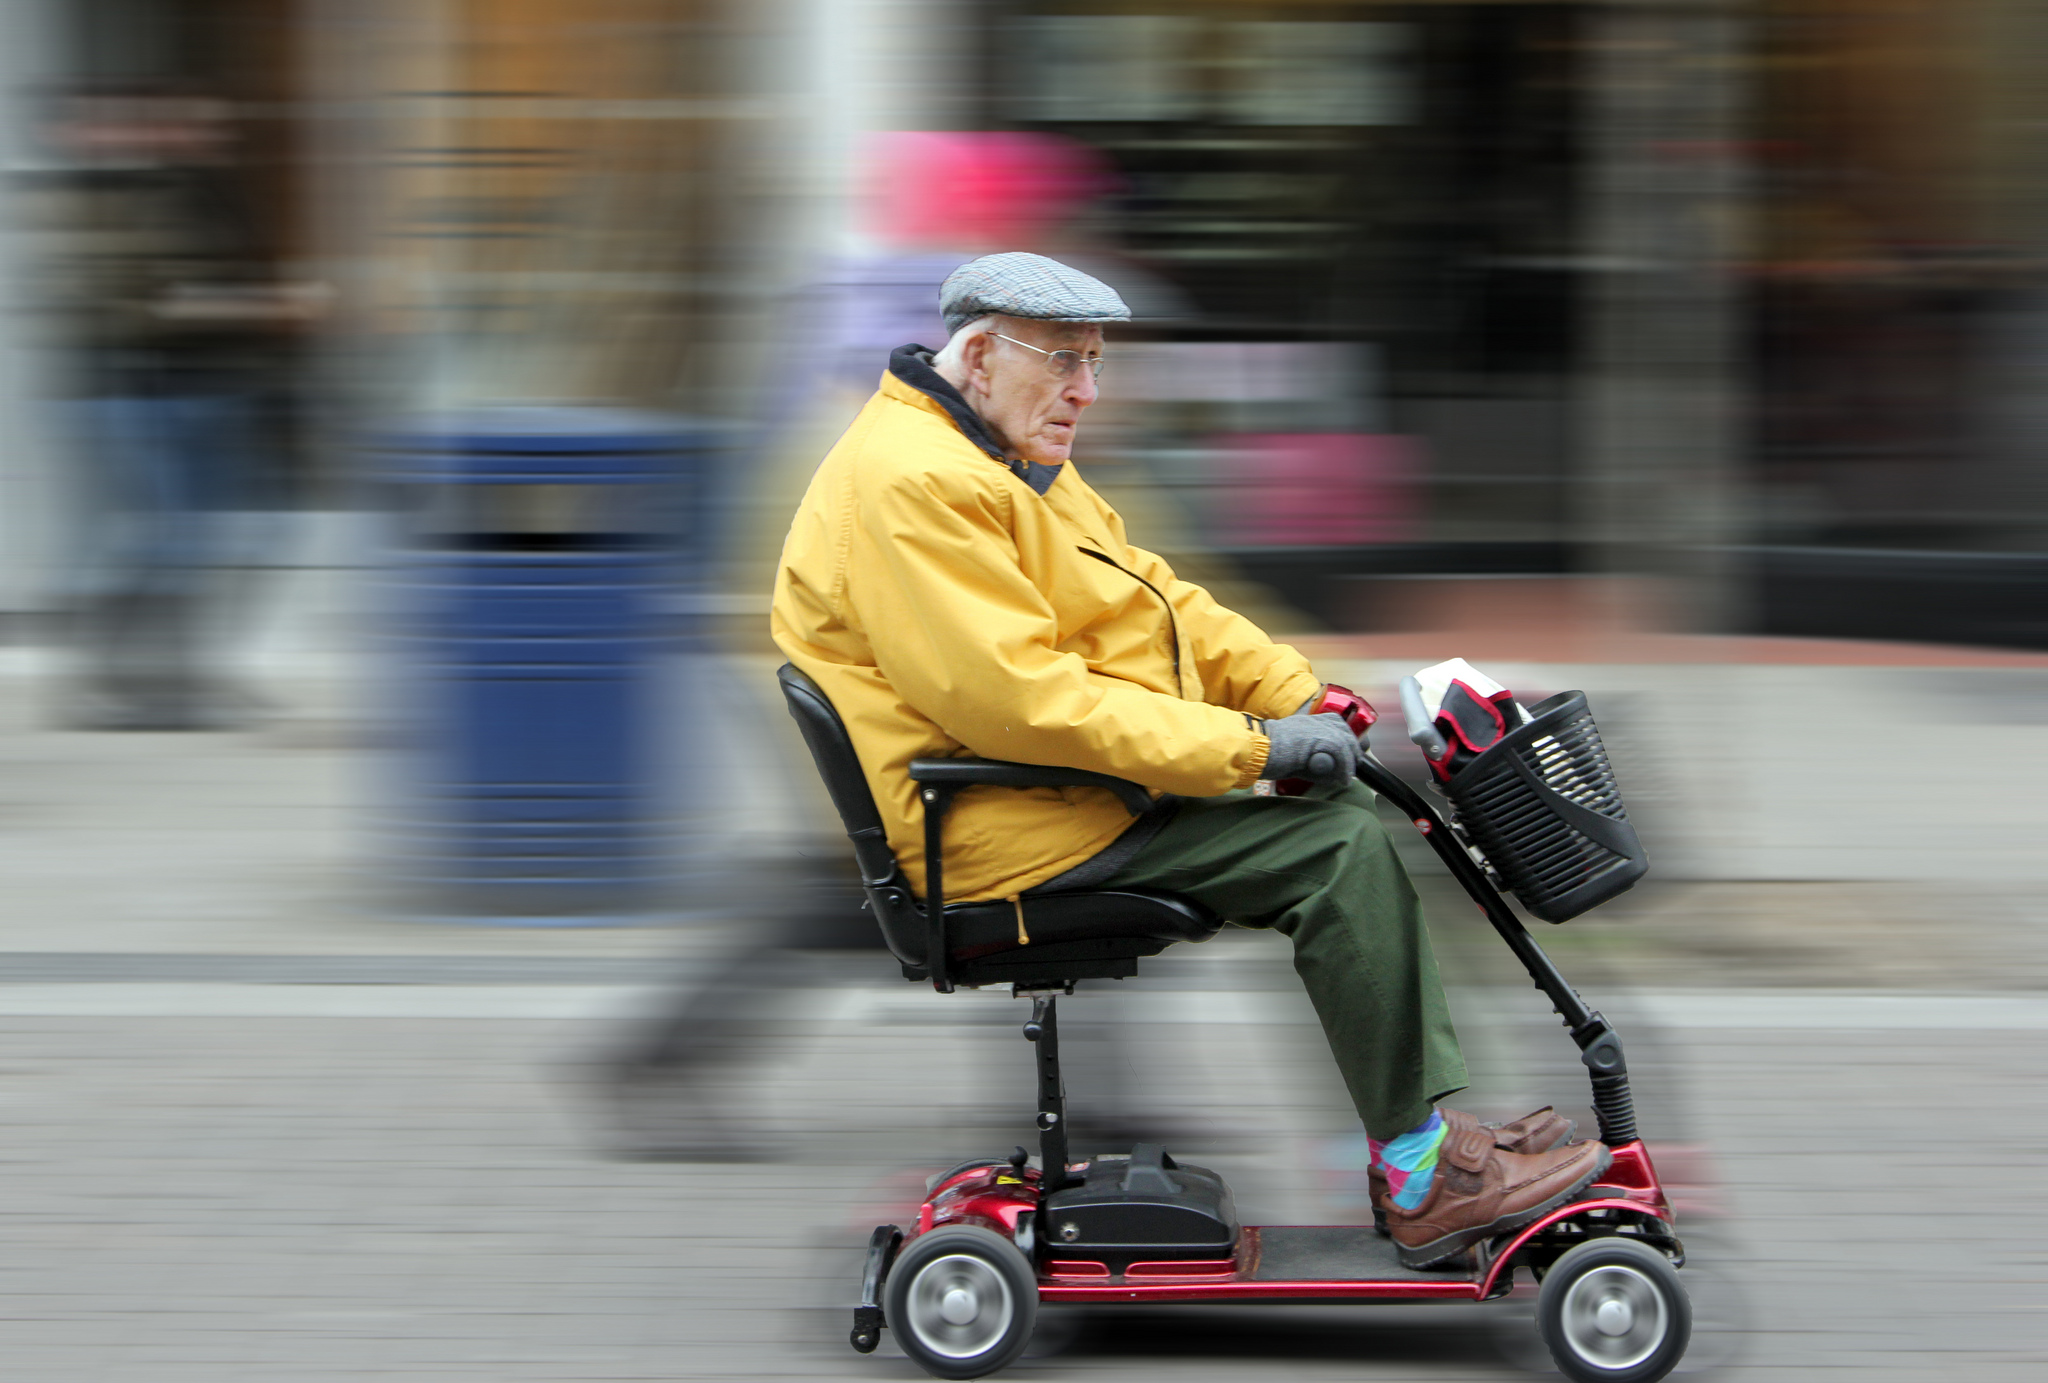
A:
1689, 354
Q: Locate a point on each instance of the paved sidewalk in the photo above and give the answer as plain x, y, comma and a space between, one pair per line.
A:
314, 1197
264, 1122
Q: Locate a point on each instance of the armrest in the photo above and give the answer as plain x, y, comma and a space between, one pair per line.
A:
998, 773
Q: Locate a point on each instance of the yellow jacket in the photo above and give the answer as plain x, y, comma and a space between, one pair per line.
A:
949, 610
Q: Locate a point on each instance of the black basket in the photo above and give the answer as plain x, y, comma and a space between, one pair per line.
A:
1542, 806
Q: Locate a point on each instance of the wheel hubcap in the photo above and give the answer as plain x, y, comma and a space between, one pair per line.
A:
1614, 1317
960, 1306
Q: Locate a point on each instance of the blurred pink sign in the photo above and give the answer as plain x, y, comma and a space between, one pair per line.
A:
990, 189
1298, 489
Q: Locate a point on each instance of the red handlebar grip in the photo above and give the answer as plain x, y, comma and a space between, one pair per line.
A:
1358, 714
1356, 710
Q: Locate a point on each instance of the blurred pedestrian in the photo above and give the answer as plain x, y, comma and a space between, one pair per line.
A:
171, 328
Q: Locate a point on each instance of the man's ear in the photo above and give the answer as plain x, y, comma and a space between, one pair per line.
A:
974, 358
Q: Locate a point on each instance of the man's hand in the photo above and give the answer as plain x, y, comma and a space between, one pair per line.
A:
1320, 748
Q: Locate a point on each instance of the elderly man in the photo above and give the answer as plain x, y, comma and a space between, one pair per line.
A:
955, 587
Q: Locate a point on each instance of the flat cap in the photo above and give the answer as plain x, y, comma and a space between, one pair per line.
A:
1017, 284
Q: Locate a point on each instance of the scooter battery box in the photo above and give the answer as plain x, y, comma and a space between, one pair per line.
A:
1141, 1208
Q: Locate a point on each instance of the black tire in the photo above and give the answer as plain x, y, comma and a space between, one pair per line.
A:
961, 1300
1612, 1311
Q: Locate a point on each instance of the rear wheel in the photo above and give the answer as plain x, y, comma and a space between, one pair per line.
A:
962, 1300
1612, 1311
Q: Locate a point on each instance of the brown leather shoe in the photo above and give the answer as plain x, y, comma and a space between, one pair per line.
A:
1480, 1191
1533, 1133
1536, 1132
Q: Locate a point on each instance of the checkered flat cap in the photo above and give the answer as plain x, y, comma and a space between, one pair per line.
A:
1017, 284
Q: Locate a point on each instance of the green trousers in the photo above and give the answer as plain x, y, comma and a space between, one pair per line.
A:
1324, 873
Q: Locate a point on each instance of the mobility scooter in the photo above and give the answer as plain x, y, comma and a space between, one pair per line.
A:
1536, 812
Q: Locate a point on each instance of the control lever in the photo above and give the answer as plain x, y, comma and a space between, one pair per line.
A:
1421, 727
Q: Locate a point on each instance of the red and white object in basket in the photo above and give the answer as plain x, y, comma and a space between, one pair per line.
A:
1469, 709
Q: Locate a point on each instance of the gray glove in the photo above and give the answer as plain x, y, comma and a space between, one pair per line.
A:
1320, 748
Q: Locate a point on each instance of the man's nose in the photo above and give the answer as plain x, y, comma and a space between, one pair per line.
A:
1082, 389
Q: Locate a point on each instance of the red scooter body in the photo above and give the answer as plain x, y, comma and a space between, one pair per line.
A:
961, 1287
1627, 1199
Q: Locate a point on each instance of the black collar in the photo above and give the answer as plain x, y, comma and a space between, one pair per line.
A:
913, 365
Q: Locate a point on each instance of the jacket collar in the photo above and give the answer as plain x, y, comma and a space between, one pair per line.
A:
912, 366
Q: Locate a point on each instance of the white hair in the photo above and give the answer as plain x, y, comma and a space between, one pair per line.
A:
952, 354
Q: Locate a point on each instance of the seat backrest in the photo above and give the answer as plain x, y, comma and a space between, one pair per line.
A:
1088, 934
831, 749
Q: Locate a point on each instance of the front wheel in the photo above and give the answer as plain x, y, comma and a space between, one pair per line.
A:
1612, 1311
962, 1300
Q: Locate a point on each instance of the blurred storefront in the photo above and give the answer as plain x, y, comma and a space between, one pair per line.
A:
1737, 302
1897, 333
521, 200
1739, 298
522, 197
1408, 246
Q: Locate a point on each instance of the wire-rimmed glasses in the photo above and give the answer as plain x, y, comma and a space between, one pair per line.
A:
1061, 363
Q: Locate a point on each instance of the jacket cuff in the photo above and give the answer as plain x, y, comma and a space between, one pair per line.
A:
1262, 748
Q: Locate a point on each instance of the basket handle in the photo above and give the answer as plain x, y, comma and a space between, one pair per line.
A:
1616, 836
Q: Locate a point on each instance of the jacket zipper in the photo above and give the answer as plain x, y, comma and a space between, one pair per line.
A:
1172, 624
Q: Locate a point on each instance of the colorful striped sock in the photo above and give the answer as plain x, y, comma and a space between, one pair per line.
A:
1409, 1161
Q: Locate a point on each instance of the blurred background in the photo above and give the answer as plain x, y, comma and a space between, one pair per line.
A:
403, 404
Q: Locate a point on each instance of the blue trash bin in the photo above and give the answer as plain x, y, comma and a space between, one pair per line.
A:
538, 607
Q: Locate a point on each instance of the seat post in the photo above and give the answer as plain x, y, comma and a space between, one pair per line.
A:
1043, 1029
937, 797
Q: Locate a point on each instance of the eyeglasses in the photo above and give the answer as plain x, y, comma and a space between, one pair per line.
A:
1061, 363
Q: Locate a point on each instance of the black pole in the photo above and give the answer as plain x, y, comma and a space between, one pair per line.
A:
1599, 1046
936, 797
1044, 1030
1467, 872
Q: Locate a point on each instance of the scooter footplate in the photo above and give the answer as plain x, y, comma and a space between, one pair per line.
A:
1334, 1253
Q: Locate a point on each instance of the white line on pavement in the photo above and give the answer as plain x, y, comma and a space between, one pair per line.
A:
1839, 1010
1829, 1010
213, 999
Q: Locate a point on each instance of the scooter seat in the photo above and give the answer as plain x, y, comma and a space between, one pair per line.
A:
1060, 937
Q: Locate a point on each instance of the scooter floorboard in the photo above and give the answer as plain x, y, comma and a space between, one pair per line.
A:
1334, 1253
1280, 1263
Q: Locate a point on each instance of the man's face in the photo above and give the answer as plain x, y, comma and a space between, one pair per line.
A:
1030, 408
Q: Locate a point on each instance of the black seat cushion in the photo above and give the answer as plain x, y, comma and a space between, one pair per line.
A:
1093, 935
985, 931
